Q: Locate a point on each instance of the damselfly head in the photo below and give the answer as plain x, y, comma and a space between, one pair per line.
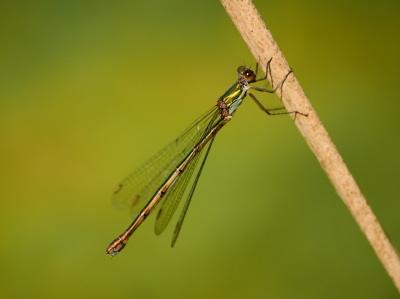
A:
246, 73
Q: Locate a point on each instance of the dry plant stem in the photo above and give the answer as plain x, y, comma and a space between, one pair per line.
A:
261, 43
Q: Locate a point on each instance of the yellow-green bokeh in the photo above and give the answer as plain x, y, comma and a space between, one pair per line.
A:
91, 89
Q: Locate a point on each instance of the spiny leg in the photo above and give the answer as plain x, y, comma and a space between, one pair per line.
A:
273, 111
268, 90
277, 110
266, 71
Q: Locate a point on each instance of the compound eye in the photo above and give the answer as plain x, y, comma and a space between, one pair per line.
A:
249, 75
241, 70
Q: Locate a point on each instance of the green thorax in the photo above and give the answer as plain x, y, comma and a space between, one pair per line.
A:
234, 96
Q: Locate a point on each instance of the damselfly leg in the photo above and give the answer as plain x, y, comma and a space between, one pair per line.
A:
270, 111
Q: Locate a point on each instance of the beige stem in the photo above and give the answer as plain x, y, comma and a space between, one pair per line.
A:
261, 43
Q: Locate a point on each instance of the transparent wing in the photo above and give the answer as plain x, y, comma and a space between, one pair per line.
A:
173, 197
188, 200
143, 182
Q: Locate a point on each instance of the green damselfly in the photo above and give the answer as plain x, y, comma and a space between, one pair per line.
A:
171, 169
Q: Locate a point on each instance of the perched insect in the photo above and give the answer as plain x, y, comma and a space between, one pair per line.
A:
169, 171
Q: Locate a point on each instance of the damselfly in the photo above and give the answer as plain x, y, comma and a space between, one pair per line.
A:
171, 169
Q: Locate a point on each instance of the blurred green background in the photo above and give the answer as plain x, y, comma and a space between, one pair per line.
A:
91, 89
